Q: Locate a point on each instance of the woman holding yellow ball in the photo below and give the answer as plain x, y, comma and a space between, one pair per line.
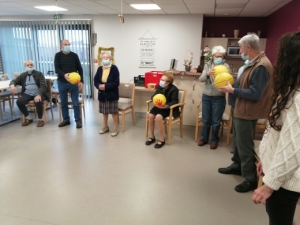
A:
158, 113
213, 101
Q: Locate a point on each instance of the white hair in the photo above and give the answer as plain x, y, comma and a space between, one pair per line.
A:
28, 61
250, 39
105, 53
218, 49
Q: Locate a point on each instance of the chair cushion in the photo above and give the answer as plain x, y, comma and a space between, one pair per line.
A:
124, 106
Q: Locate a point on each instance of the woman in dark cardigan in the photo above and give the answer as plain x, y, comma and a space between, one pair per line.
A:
107, 80
158, 114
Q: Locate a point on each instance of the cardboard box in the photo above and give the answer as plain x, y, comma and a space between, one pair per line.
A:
151, 86
153, 77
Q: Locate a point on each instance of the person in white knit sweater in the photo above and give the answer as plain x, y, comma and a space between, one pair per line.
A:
280, 148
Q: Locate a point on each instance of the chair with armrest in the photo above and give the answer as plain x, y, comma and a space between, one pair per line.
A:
170, 120
127, 92
5, 95
31, 106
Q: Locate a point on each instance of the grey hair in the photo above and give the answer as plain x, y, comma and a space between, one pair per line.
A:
250, 39
105, 53
218, 49
28, 61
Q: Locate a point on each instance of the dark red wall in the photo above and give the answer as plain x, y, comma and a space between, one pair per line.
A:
226, 25
286, 19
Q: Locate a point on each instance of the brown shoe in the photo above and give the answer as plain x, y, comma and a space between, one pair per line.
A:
64, 123
40, 123
213, 146
202, 142
78, 124
26, 122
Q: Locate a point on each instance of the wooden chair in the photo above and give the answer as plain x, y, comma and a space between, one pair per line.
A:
5, 95
31, 106
18, 91
256, 148
170, 120
70, 104
127, 92
55, 92
199, 122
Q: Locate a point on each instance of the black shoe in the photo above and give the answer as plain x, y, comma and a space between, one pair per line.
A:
150, 141
229, 170
246, 186
78, 124
159, 145
64, 123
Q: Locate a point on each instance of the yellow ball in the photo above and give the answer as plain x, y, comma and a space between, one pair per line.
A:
220, 69
74, 78
222, 78
159, 100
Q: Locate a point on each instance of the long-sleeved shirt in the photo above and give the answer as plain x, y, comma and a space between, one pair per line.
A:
279, 151
67, 63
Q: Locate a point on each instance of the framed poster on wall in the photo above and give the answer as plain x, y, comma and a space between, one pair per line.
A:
147, 52
110, 50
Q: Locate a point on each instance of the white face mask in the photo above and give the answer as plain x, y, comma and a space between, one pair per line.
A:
162, 83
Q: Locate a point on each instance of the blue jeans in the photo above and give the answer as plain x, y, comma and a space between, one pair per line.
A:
212, 111
64, 88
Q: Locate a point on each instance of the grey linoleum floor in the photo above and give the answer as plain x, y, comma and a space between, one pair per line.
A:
69, 176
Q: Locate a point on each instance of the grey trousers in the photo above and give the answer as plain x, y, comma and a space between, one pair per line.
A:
243, 148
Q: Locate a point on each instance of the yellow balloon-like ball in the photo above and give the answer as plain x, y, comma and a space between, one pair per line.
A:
220, 69
222, 78
74, 78
159, 100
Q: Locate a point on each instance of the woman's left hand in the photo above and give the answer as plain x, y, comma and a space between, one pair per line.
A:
261, 194
102, 87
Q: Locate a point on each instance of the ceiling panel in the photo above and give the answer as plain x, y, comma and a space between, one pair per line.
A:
90, 7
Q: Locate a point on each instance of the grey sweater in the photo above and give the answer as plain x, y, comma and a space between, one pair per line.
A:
209, 87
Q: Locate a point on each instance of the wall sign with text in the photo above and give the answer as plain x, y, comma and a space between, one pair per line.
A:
147, 52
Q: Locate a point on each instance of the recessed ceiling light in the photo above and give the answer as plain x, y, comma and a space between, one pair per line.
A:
50, 8
145, 6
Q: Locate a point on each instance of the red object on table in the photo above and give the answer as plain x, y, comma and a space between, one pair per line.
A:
153, 77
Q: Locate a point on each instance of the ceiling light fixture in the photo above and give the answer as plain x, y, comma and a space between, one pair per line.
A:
145, 6
51, 8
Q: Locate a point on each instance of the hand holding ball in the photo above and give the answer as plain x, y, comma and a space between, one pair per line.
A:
159, 100
74, 78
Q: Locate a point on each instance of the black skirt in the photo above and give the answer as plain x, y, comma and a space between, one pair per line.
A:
163, 112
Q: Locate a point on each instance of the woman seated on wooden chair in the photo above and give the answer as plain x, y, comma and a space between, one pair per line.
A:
158, 114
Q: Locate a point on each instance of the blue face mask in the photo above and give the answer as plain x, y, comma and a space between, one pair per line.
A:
218, 61
244, 57
162, 83
67, 49
105, 62
29, 69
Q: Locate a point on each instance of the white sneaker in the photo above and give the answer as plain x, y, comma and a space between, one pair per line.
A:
115, 133
104, 130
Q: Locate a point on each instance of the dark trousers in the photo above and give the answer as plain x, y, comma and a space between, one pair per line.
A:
243, 148
281, 207
24, 99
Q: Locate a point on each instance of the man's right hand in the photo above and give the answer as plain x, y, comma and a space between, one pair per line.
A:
12, 89
67, 77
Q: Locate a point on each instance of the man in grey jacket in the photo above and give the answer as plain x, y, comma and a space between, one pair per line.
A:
34, 87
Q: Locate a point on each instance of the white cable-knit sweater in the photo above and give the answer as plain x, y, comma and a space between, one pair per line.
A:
279, 151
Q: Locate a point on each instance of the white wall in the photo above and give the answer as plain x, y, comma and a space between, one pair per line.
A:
176, 35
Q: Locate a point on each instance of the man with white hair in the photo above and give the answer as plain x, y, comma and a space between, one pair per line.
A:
250, 98
34, 87
66, 62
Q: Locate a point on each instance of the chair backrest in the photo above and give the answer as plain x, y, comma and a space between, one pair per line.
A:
181, 98
16, 74
127, 90
4, 77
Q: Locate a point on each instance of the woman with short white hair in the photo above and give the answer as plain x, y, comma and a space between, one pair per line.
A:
107, 80
213, 101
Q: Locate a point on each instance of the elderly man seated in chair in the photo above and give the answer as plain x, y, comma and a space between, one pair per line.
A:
34, 87
158, 114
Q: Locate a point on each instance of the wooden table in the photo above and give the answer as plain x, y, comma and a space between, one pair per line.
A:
5, 85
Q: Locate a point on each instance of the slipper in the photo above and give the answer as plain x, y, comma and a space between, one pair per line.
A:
150, 141
159, 145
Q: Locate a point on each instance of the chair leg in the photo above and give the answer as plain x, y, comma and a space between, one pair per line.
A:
169, 133
222, 128
10, 106
196, 131
147, 126
123, 122
132, 114
181, 129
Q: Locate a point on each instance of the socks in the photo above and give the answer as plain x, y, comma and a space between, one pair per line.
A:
29, 117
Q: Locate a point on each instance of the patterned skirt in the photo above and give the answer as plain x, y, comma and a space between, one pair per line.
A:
108, 107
